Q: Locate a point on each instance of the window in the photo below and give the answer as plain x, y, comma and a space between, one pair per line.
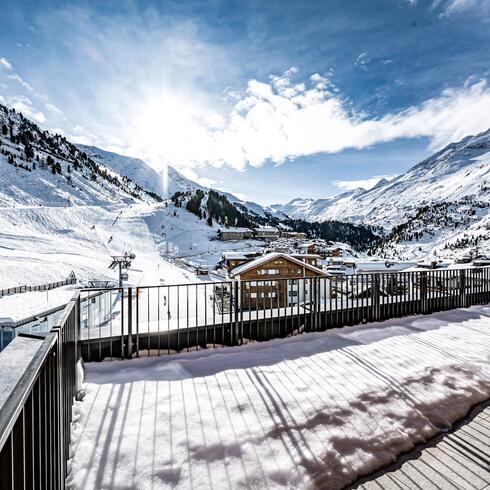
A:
268, 271
293, 293
293, 282
270, 294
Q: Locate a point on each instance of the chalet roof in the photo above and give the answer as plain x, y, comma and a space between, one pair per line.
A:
233, 255
383, 266
271, 256
234, 230
239, 255
267, 228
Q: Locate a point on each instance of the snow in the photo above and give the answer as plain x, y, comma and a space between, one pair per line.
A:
458, 176
316, 410
25, 305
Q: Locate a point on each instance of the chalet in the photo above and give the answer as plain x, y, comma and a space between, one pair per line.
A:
333, 251
230, 260
292, 234
230, 234
275, 280
266, 233
283, 245
308, 247
312, 259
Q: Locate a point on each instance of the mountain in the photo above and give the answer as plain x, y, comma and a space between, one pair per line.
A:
164, 183
41, 168
428, 209
460, 170
63, 208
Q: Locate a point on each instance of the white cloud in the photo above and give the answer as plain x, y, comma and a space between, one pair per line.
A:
350, 185
450, 7
24, 105
282, 120
18, 78
362, 60
4, 63
52, 108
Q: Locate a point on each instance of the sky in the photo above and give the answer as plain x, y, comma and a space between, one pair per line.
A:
268, 100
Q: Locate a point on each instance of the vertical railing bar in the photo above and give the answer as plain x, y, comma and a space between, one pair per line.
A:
178, 318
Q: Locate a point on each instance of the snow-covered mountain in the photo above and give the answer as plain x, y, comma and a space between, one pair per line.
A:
167, 182
164, 183
64, 208
458, 171
436, 204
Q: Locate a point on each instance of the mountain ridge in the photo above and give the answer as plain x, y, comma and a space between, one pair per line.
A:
437, 178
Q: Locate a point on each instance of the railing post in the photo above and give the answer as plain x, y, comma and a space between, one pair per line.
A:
423, 292
236, 322
462, 288
376, 306
129, 344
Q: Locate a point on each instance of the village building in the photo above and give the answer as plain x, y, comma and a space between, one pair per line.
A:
266, 233
275, 280
282, 245
293, 234
308, 247
230, 260
231, 234
312, 259
333, 251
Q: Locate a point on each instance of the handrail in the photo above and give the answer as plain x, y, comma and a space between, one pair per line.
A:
35, 419
328, 275
10, 411
121, 322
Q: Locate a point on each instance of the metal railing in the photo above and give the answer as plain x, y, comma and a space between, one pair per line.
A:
36, 413
71, 279
128, 322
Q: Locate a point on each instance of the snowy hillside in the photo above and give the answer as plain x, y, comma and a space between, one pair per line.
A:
433, 205
40, 168
164, 183
64, 209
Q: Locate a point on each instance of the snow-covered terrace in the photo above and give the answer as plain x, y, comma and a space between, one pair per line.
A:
316, 410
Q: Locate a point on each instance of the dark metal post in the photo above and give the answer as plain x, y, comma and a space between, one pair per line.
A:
129, 345
234, 304
462, 289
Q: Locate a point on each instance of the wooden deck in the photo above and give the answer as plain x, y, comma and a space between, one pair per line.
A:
458, 460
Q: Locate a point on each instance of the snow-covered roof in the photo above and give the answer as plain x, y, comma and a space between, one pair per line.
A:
384, 266
271, 256
267, 228
235, 230
233, 255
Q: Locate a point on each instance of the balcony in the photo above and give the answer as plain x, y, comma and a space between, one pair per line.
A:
319, 410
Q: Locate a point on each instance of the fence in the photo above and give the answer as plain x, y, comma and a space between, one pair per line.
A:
138, 321
36, 412
71, 279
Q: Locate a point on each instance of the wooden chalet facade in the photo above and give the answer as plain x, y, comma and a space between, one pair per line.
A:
272, 281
